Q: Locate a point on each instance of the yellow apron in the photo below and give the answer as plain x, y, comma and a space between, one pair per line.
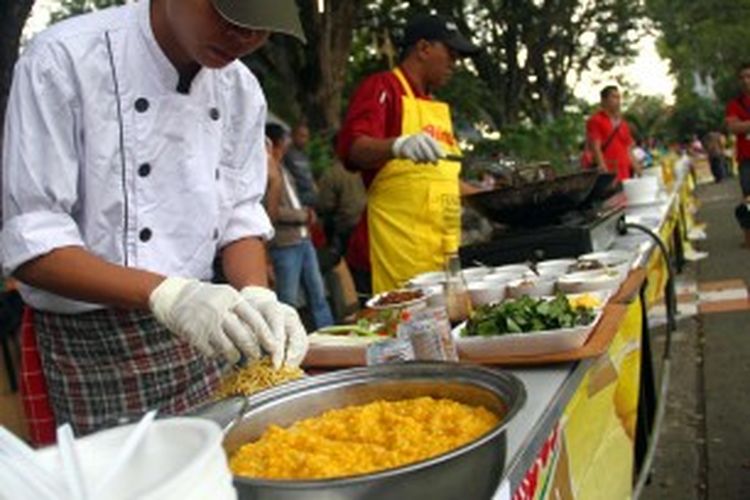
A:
413, 208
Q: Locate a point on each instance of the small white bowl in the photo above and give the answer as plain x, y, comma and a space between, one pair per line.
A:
538, 286
556, 267
486, 292
642, 190
618, 260
477, 274
504, 277
427, 279
589, 281
519, 269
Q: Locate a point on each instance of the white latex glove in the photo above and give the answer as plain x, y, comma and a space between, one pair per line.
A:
284, 323
419, 148
208, 317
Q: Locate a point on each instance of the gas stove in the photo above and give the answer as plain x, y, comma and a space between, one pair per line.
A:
589, 229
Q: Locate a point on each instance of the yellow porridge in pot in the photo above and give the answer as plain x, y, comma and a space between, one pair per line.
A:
362, 439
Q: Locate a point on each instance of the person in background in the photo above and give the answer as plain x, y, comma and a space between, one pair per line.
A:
716, 159
297, 163
737, 119
398, 136
295, 262
642, 154
341, 201
609, 144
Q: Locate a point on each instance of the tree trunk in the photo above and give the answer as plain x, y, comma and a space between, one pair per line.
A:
327, 52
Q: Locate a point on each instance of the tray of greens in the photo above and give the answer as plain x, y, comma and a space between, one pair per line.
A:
526, 326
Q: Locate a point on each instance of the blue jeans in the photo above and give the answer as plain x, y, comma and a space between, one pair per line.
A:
295, 265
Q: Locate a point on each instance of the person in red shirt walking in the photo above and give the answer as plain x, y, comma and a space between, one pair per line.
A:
609, 145
738, 123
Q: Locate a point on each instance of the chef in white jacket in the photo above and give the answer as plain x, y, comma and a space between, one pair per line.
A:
134, 154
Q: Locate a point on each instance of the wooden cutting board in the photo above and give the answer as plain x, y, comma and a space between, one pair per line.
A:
597, 343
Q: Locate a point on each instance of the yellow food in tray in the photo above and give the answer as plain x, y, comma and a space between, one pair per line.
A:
586, 300
256, 377
362, 439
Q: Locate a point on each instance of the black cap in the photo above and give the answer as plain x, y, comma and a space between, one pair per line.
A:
440, 29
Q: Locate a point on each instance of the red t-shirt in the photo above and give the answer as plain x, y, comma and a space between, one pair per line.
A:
739, 108
617, 154
375, 110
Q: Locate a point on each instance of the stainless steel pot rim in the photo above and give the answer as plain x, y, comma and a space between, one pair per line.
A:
405, 370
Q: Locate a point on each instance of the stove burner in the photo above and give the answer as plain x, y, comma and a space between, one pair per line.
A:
574, 233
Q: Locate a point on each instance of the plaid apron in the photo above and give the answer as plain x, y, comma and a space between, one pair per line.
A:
106, 367
33, 386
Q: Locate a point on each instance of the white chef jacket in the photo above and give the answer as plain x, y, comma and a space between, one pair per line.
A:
101, 151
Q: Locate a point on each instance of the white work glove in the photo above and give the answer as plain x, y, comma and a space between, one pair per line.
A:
214, 319
284, 323
419, 148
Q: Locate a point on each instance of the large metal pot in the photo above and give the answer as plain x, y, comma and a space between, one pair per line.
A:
472, 471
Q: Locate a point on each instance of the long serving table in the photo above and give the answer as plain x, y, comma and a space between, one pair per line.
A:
585, 427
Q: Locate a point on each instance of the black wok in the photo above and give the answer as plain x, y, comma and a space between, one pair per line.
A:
605, 187
537, 203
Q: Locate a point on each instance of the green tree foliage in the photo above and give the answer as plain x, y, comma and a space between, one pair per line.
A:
306, 82
694, 116
70, 8
558, 141
532, 49
705, 39
648, 117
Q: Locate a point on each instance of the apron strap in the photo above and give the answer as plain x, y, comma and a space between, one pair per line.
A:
404, 82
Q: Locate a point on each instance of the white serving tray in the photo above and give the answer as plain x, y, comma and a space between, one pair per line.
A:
523, 344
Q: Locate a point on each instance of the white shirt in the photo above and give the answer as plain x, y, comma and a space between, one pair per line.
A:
101, 151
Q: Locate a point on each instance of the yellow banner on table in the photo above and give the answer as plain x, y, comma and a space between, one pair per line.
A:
590, 453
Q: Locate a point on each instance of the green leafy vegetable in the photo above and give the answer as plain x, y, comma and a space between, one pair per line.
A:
526, 315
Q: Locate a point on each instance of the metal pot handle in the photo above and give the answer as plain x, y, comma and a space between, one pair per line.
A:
224, 412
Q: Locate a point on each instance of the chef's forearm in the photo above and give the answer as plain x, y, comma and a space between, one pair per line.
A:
273, 189
367, 153
244, 263
75, 273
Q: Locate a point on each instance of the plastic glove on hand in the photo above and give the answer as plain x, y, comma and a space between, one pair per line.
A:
207, 316
284, 323
419, 148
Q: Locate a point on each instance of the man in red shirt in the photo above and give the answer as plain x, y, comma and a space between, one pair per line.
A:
738, 123
396, 135
609, 145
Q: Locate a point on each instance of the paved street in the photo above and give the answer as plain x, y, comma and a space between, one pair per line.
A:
704, 449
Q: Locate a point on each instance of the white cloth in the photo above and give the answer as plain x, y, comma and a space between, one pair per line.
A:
188, 179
